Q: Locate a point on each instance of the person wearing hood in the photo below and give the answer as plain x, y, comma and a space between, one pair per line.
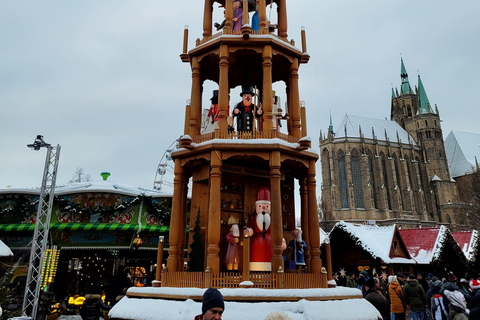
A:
475, 312
415, 298
91, 308
450, 286
376, 299
397, 301
458, 306
436, 301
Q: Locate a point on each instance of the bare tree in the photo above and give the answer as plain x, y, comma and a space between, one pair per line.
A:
80, 176
469, 192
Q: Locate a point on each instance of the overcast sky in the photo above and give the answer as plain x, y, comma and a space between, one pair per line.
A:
104, 80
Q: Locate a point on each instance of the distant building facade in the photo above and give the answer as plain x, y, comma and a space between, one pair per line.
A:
390, 171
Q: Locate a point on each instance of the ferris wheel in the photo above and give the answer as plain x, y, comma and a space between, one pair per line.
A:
165, 170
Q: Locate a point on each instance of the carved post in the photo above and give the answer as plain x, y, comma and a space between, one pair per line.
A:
228, 29
174, 235
276, 210
196, 101
213, 236
294, 107
303, 114
208, 277
314, 227
304, 219
246, 259
328, 257
282, 19
183, 227
207, 19
262, 17
223, 90
245, 12
281, 278
187, 117
267, 89
158, 274
304, 40
185, 40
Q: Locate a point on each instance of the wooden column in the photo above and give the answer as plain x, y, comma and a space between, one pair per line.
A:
262, 17
328, 257
214, 227
228, 28
176, 217
314, 227
158, 273
282, 19
294, 106
245, 13
207, 19
267, 89
276, 211
223, 90
303, 115
187, 118
304, 219
183, 226
246, 259
287, 110
196, 101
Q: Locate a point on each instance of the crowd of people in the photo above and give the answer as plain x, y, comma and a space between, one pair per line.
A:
424, 298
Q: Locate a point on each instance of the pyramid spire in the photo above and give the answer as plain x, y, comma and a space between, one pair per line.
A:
330, 127
423, 103
405, 84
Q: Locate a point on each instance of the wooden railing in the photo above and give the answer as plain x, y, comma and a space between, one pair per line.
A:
246, 135
262, 280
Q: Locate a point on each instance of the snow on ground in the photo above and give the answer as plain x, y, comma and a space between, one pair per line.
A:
4, 250
158, 309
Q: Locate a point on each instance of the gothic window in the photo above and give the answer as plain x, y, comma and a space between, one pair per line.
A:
399, 181
426, 123
372, 179
326, 167
411, 178
342, 176
409, 111
419, 136
357, 180
385, 181
429, 134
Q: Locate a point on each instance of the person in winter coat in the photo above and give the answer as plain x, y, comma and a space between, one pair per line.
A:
91, 308
475, 312
435, 289
397, 301
422, 282
376, 299
458, 306
415, 297
450, 286
437, 307
351, 282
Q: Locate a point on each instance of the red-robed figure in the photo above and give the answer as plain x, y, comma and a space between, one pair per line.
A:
261, 244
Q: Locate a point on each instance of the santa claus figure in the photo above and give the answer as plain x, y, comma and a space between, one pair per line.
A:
261, 244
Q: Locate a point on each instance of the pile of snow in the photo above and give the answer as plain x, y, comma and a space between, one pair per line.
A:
4, 250
157, 309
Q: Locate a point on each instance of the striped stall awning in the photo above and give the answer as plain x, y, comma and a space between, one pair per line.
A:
109, 227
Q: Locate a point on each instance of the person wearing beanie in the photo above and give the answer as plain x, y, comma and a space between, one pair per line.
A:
458, 306
397, 301
212, 305
401, 279
376, 298
422, 282
451, 277
415, 297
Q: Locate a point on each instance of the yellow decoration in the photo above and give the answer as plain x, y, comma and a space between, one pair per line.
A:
366, 268
232, 220
360, 268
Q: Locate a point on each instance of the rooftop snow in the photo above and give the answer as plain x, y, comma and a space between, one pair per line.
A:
354, 123
424, 244
5, 250
462, 148
374, 239
468, 241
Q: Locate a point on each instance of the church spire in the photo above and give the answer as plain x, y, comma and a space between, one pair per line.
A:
405, 84
423, 103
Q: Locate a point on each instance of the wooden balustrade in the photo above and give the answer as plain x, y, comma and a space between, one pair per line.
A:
244, 135
261, 280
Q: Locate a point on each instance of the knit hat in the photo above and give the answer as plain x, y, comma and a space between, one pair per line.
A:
370, 283
474, 284
277, 315
437, 283
456, 298
400, 275
364, 273
411, 277
212, 298
430, 276
451, 277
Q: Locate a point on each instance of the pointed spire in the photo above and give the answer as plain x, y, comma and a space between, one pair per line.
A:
393, 93
405, 84
423, 103
330, 128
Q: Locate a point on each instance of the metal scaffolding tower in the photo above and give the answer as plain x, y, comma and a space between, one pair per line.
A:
42, 224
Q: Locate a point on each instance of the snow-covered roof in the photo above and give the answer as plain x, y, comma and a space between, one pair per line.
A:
374, 239
468, 241
426, 244
158, 309
5, 250
106, 186
323, 237
353, 124
462, 148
